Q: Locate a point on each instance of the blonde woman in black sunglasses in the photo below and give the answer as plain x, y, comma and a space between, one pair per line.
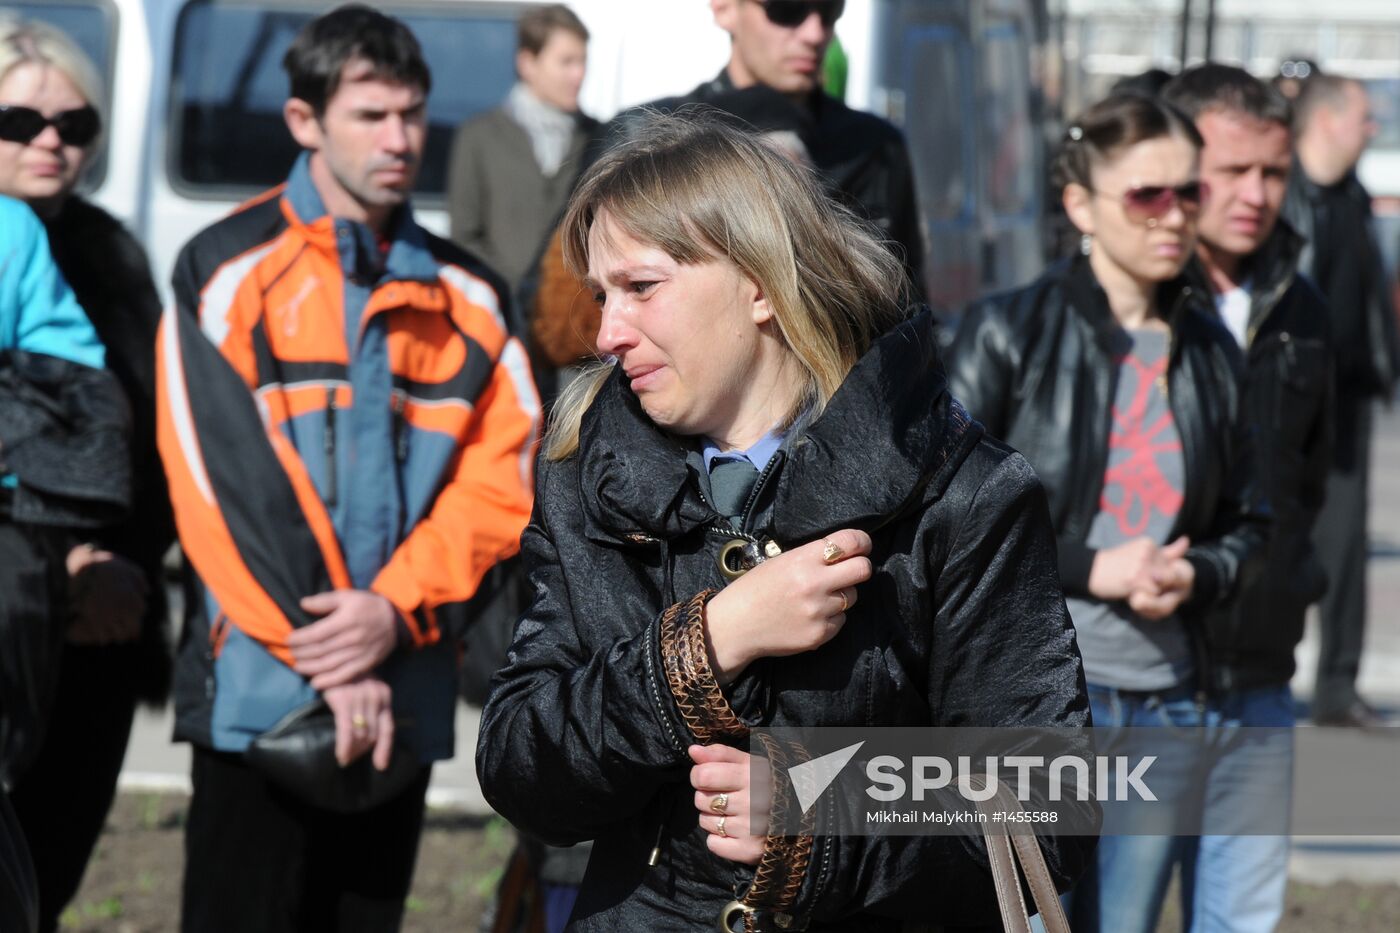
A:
51, 99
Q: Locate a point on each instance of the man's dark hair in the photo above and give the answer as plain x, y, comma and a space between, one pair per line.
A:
1225, 88
1113, 124
1150, 82
1322, 90
316, 61
537, 24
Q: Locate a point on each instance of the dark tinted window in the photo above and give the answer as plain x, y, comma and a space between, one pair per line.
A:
228, 136
93, 26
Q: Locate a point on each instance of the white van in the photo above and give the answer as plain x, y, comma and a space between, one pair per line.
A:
197, 89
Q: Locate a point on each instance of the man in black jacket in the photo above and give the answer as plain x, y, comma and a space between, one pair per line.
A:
1247, 259
780, 45
1327, 204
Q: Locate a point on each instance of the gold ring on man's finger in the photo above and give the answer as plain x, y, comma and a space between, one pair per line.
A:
720, 828
832, 552
719, 803
845, 601
359, 722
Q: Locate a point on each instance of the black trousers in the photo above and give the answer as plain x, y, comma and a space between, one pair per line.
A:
1341, 541
63, 799
260, 861
33, 598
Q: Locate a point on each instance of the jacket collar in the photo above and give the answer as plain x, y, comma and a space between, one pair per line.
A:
889, 433
812, 108
409, 258
1273, 269
1088, 299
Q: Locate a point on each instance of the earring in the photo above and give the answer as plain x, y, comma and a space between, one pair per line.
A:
1086, 244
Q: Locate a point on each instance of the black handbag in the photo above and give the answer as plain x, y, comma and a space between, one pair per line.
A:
298, 755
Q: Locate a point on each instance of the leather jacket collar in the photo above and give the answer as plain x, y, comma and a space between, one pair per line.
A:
889, 433
1088, 299
1273, 268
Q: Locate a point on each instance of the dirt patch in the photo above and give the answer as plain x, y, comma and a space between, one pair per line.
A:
133, 882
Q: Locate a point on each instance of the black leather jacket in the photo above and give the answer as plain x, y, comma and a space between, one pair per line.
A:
1288, 411
1034, 365
1364, 340
962, 624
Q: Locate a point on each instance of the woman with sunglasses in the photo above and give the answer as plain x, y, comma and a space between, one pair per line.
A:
50, 100
1118, 383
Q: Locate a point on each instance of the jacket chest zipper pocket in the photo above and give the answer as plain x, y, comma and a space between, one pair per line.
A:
399, 403
328, 444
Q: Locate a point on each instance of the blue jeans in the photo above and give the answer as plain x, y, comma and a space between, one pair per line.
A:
1229, 882
1237, 882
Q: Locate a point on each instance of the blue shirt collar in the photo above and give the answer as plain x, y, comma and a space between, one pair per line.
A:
758, 454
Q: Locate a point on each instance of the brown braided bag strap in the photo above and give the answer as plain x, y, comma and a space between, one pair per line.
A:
777, 881
707, 714
698, 696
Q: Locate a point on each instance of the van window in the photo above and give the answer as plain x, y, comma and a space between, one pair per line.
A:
1007, 141
227, 135
937, 62
92, 24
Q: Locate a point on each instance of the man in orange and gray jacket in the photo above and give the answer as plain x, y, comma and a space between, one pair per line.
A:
348, 432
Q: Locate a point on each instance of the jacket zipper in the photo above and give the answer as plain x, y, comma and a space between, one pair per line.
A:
328, 444
758, 484
769, 550
399, 403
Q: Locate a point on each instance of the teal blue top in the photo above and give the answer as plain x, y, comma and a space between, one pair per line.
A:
38, 312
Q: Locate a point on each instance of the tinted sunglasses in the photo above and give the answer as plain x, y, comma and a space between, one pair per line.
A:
75, 127
1147, 204
795, 12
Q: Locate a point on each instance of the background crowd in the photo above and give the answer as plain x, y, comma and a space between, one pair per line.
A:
339, 416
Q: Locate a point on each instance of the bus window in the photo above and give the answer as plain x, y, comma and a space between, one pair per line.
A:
93, 26
937, 63
227, 133
1007, 143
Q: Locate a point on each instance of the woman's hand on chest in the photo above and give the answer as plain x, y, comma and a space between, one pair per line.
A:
793, 603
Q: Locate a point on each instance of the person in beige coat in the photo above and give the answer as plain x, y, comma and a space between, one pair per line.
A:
513, 167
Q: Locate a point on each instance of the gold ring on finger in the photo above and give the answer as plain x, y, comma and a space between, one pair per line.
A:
832, 552
719, 803
359, 722
845, 601
720, 829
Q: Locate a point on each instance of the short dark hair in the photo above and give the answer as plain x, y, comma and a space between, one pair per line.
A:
1114, 123
316, 61
1216, 87
1321, 90
1149, 82
538, 23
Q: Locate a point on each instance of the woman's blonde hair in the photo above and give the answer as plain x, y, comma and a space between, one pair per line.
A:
702, 190
33, 41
